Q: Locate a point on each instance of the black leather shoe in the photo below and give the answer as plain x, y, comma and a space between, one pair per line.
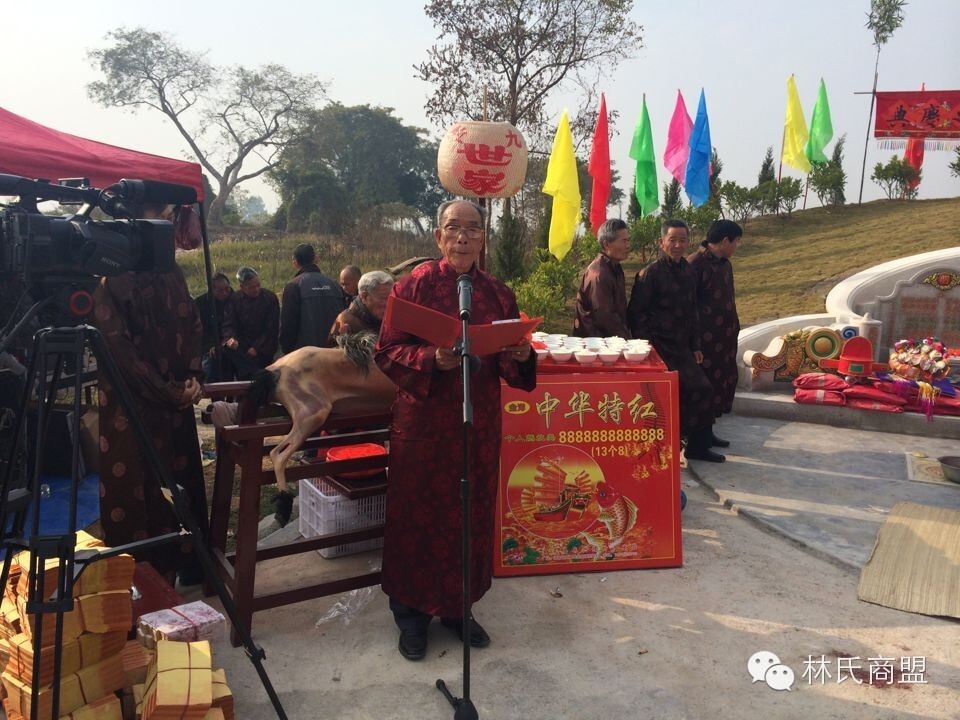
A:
413, 644
478, 636
708, 455
718, 442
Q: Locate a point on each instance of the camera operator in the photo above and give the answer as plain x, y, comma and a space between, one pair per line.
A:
152, 328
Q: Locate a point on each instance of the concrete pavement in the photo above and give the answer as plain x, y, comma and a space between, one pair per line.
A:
668, 643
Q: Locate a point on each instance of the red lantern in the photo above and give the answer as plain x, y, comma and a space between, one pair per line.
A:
482, 159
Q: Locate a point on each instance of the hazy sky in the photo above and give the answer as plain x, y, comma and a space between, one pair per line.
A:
740, 51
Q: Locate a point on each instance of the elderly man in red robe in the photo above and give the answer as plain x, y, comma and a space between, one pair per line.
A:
422, 564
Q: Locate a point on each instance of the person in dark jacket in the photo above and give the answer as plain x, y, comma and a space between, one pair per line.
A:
222, 292
663, 309
602, 297
366, 311
250, 326
717, 305
311, 303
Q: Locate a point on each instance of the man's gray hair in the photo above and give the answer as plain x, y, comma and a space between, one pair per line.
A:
608, 231
372, 280
673, 223
443, 208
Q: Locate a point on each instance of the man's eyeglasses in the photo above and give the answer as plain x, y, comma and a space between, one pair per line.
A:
471, 232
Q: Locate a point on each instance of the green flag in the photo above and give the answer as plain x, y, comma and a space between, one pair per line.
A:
641, 150
821, 129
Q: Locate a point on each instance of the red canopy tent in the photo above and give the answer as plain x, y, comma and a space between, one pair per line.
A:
33, 150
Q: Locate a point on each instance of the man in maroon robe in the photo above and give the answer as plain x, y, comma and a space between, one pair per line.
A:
602, 297
422, 565
717, 305
153, 331
663, 309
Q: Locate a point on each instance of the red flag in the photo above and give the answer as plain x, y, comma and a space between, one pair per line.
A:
599, 169
913, 155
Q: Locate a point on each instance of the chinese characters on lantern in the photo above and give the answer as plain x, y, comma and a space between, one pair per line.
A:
482, 159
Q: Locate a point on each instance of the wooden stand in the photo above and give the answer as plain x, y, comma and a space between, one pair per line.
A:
244, 445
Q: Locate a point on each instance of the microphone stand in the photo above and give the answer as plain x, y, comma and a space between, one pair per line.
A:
463, 708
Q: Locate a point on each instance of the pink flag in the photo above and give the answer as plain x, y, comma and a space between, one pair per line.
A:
678, 139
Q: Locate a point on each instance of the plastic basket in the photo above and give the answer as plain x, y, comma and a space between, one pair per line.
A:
324, 510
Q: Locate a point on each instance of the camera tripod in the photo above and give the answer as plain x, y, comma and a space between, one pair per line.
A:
57, 344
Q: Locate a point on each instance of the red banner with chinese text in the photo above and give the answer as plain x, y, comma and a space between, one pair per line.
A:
918, 114
589, 475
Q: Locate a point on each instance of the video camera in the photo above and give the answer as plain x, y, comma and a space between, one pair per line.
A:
37, 247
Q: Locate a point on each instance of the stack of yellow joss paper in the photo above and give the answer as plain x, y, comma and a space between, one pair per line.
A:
94, 634
181, 684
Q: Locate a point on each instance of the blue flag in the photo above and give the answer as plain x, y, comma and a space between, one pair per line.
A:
697, 181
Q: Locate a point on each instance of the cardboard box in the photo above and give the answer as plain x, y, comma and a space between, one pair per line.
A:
136, 660
589, 474
88, 649
76, 690
222, 697
98, 613
180, 684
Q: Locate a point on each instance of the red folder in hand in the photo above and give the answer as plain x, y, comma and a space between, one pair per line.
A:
444, 331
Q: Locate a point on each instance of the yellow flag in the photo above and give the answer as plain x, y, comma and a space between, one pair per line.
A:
795, 133
563, 184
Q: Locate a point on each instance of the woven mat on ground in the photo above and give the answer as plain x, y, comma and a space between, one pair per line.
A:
926, 469
915, 565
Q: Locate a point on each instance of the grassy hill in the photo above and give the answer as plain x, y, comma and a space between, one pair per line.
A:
786, 266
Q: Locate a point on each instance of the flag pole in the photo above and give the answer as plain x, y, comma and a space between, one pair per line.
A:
866, 142
783, 142
806, 190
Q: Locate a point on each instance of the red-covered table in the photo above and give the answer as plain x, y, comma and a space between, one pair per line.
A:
589, 470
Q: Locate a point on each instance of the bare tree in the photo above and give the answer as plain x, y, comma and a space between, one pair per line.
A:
511, 54
227, 116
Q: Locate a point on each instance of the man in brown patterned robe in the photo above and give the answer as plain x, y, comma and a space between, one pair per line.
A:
663, 309
153, 331
717, 304
602, 298
422, 563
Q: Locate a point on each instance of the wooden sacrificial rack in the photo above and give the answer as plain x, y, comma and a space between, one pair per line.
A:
244, 446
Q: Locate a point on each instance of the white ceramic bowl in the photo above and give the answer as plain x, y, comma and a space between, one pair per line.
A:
634, 355
561, 355
542, 352
585, 356
608, 357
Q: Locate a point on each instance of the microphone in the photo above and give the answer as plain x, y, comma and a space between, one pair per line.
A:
465, 290
138, 192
